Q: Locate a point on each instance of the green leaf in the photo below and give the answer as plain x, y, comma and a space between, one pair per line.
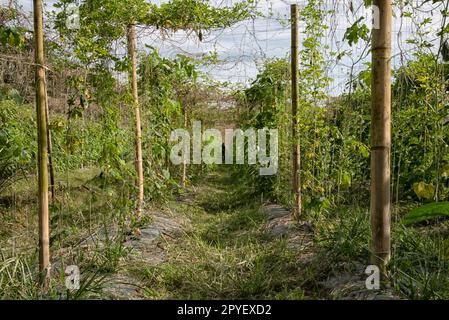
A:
356, 32
427, 212
424, 190
346, 180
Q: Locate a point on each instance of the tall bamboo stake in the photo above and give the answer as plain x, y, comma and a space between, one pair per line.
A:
132, 44
381, 135
44, 250
50, 150
184, 163
295, 136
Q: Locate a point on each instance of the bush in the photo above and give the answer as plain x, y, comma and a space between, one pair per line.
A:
17, 141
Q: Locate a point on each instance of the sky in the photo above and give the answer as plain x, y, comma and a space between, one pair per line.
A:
243, 47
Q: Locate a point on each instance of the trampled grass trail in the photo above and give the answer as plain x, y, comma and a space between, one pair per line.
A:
233, 246
223, 252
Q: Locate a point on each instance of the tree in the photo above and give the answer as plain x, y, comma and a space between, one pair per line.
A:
381, 135
41, 93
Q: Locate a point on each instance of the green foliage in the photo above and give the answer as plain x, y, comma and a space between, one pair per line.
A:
420, 152
424, 190
12, 37
198, 15
17, 145
262, 104
164, 84
356, 31
267, 104
10, 94
167, 89
335, 138
104, 22
427, 212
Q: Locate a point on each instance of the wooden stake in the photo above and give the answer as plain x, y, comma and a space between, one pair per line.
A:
295, 136
132, 44
44, 248
381, 135
50, 150
184, 164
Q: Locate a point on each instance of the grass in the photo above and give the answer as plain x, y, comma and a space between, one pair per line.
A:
419, 268
17, 281
20, 281
420, 264
83, 210
224, 255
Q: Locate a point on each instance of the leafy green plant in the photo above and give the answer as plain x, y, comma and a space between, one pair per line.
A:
427, 212
16, 142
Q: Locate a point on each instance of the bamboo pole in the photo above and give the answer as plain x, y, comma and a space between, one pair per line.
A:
184, 163
50, 150
295, 136
132, 44
44, 250
381, 136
